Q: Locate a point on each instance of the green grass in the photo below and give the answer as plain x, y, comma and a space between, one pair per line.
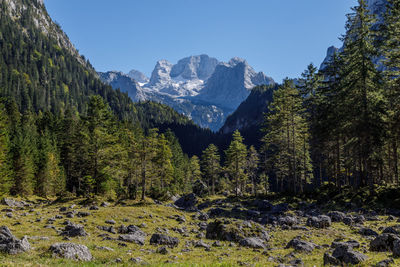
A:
155, 216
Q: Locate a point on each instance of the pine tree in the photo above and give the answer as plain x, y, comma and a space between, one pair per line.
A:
287, 139
23, 153
210, 162
146, 154
101, 144
163, 162
5, 177
337, 160
389, 48
310, 89
361, 96
235, 162
251, 168
194, 170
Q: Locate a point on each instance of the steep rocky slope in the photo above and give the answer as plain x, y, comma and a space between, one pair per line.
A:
200, 87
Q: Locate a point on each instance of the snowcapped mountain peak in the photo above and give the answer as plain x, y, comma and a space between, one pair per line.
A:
194, 67
138, 76
231, 83
200, 87
112, 75
237, 60
161, 72
118, 79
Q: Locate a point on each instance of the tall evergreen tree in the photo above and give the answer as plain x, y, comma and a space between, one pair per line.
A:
235, 162
101, 144
210, 162
5, 175
287, 139
163, 162
251, 168
389, 48
194, 170
361, 95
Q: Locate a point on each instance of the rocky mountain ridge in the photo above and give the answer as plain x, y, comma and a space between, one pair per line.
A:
200, 87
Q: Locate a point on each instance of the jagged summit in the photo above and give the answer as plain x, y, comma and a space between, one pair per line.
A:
161, 72
138, 76
201, 87
118, 79
194, 67
231, 83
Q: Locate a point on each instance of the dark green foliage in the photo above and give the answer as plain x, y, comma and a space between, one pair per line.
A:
250, 115
211, 167
235, 163
40, 75
287, 139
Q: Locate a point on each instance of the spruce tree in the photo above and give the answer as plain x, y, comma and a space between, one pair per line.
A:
235, 163
163, 162
210, 162
194, 170
5, 175
389, 49
287, 139
101, 144
361, 95
252, 167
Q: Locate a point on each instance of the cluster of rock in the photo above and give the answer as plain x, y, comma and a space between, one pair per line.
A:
241, 224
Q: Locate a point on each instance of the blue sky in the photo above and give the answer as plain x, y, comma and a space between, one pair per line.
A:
278, 37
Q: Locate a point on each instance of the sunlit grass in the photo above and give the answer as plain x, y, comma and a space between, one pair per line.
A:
157, 216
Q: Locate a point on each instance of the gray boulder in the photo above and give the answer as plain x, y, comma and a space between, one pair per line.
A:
287, 220
14, 203
367, 232
203, 216
201, 244
10, 244
351, 244
72, 230
132, 234
348, 220
109, 229
71, 251
383, 242
252, 242
187, 202
322, 221
330, 260
396, 248
391, 230
345, 254
162, 250
131, 229
160, 239
301, 245
336, 216
218, 230
83, 214
132, 238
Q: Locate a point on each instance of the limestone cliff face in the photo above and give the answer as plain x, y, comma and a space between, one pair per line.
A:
200, 87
